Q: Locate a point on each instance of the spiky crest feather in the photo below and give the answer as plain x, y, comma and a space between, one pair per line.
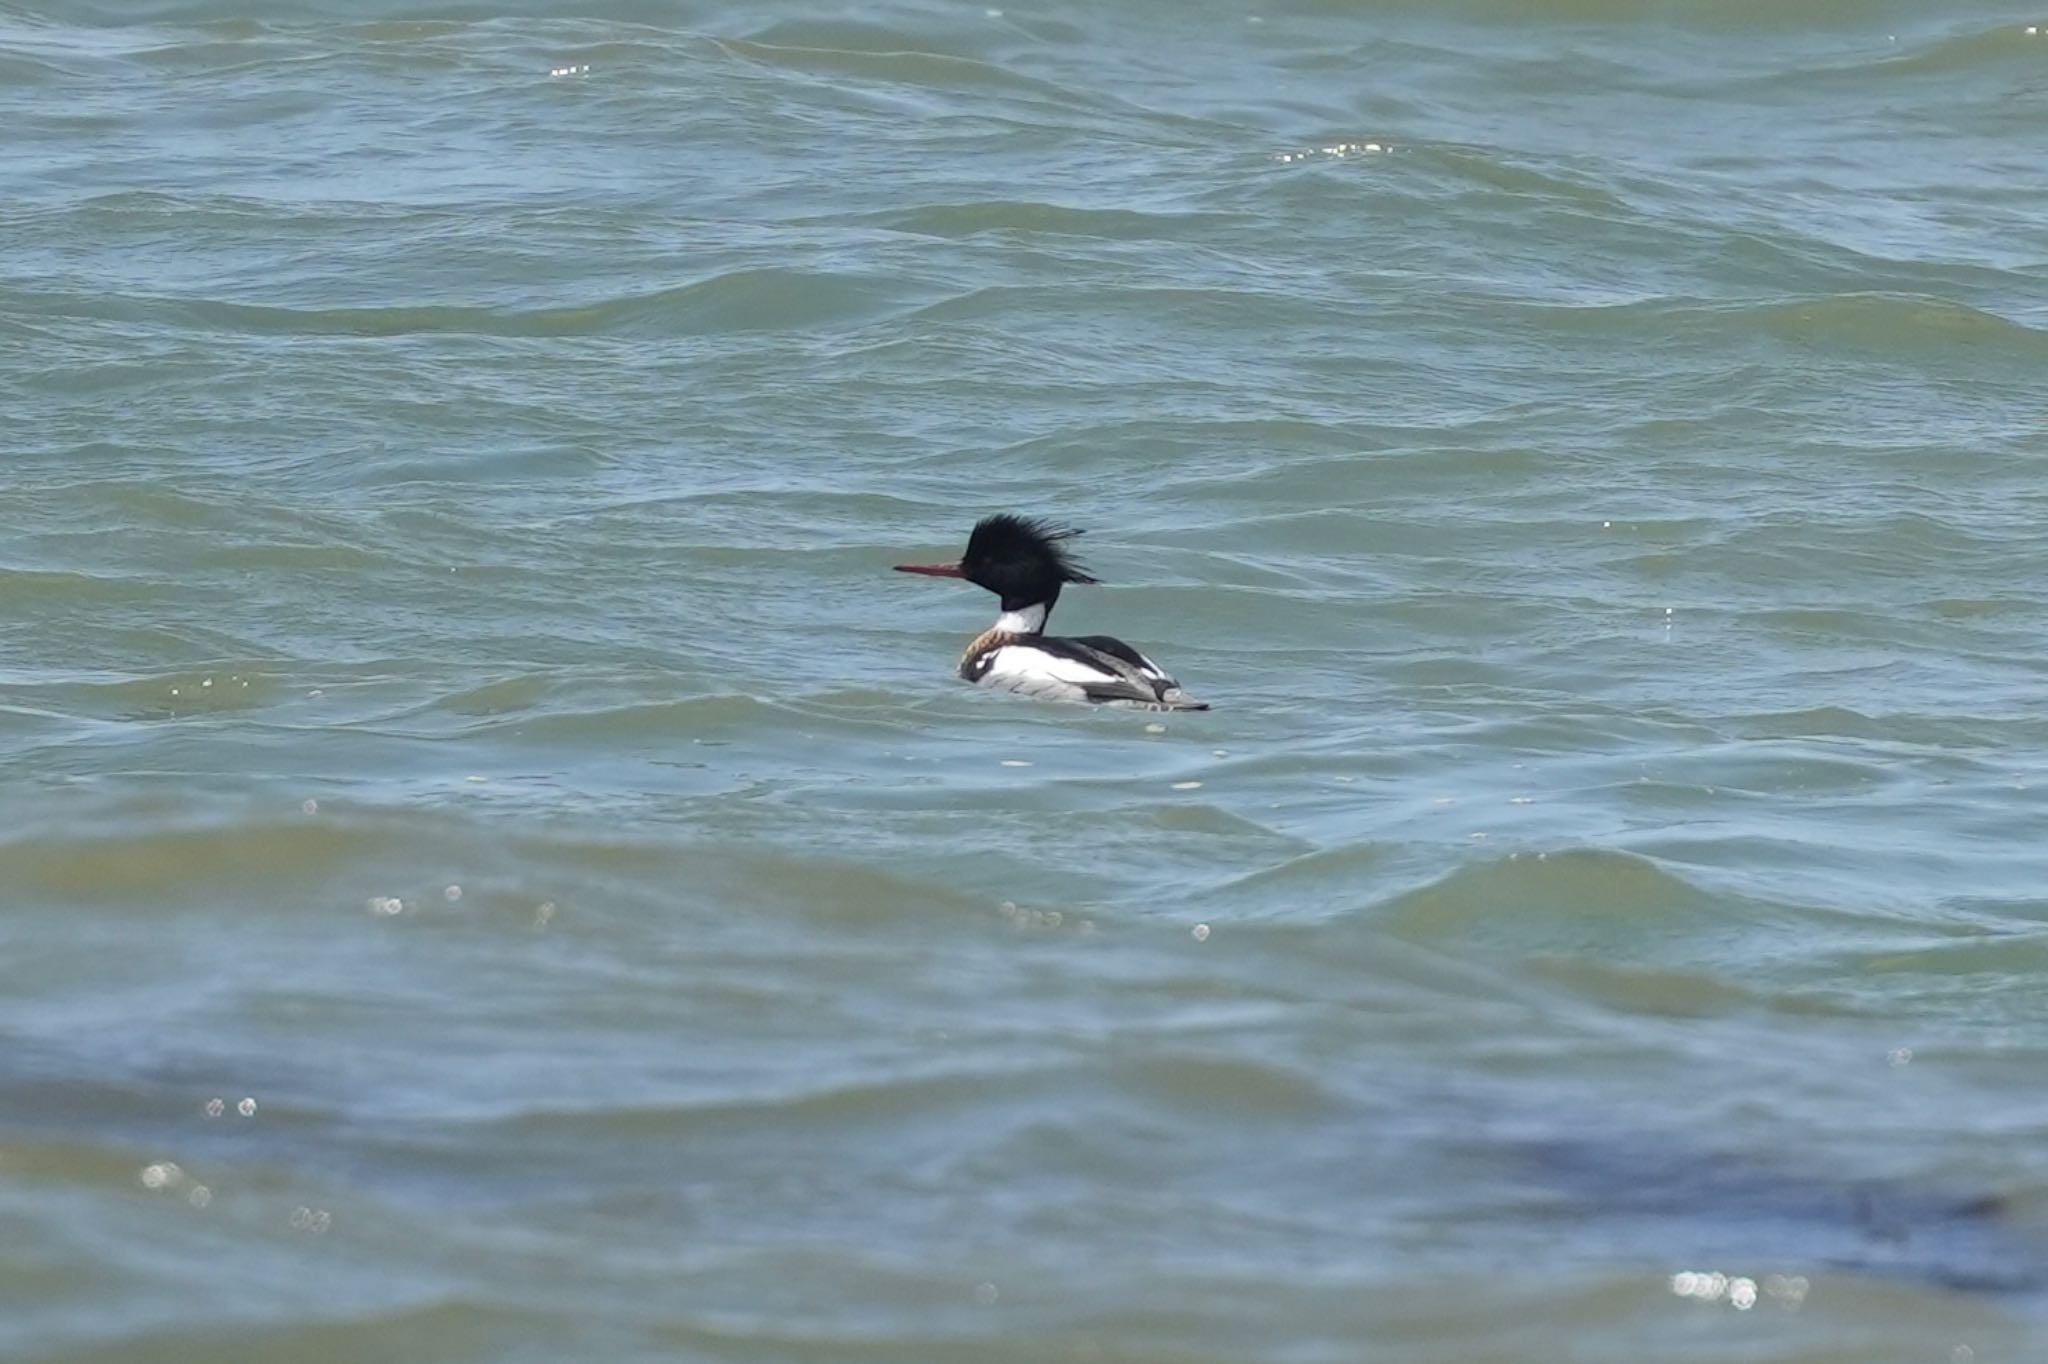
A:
1025, 543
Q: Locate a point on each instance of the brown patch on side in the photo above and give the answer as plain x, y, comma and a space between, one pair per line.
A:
985, 643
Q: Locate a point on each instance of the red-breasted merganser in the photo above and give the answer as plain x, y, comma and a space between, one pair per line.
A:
1026, 562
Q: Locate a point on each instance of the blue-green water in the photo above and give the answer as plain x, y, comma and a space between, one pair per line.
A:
493, 866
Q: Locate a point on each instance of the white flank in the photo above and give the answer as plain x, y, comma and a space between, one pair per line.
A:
1026, 663
1030, 671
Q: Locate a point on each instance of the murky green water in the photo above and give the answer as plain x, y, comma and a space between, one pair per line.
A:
493, 866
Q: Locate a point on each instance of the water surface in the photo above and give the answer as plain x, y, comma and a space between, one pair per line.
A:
495, 868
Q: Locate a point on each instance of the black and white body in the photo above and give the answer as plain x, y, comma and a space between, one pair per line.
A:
1025, 563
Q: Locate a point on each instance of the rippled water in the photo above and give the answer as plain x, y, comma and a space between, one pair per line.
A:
495, 867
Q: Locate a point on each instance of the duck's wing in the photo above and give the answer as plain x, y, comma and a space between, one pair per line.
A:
1052, 669
1123, 675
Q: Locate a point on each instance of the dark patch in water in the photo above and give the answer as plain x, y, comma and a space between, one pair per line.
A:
1700, 1209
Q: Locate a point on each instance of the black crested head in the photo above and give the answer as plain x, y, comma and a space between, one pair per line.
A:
1021, 560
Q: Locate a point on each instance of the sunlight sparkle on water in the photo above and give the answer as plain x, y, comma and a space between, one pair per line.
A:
1020, 916
1335, 151
1740, 1291
162, 1174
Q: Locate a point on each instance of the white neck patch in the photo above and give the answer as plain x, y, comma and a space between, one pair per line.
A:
1029, 621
